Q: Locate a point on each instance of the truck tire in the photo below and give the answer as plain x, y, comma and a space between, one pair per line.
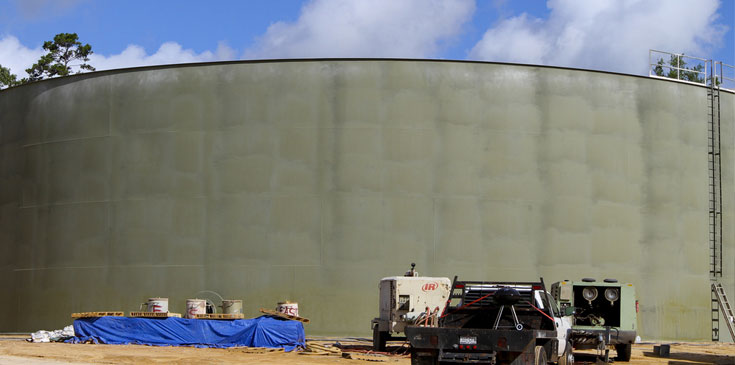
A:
624, 351
423, 360
567, 358
539, 356
379, 339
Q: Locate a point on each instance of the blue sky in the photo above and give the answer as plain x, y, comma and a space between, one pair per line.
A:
611, 35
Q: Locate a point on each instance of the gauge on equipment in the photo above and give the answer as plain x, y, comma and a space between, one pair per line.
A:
612, 294
589, 293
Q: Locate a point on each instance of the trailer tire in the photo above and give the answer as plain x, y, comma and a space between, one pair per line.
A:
567, 358
423, 359
624, 352
540, 356
379, 339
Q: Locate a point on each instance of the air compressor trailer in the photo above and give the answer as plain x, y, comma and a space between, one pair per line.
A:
405, 300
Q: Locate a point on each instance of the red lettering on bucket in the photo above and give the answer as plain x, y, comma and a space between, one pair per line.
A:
291, 310
430, 286
157, 308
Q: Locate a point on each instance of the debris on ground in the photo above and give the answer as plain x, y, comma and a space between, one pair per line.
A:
52, 336
321, 349
256, 350
662, 350
365, 356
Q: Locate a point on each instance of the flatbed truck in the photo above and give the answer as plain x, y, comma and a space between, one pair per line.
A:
494, 323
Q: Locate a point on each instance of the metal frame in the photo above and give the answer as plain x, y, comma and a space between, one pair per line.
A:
725, 82
652, 64
716, 74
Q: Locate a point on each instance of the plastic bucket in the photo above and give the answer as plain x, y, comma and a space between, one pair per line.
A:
157, 305
195, 306
290, 308
232, 306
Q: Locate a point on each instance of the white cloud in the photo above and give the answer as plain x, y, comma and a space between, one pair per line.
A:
376, 28
613, 35
18, 57
168, 53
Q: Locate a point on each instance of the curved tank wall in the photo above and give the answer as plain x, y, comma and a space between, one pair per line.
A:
311, 180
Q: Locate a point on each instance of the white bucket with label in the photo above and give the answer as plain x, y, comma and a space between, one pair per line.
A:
195, 306
156, 305
232, 306
290, 308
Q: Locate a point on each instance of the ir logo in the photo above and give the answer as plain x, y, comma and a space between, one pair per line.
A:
430, 286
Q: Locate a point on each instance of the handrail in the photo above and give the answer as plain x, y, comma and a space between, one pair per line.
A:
705, 72
723, 81
681, 69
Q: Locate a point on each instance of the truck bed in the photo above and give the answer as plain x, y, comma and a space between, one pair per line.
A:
478, 345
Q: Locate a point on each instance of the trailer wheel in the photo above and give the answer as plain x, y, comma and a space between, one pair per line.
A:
417, 359
624, 351
540, 356
379, 339
567, 358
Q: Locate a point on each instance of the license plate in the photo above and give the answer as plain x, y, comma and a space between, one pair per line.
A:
467, 340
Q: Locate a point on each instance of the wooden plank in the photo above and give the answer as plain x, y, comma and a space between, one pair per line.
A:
284, 315
365, 357
154, 315
97, 314
315, 353
256, 350
219, 316
316, 347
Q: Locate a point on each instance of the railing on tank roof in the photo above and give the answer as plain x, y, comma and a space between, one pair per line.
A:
724, 75
675, 67
690, 69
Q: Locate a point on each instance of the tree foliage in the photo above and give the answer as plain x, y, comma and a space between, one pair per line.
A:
6, 78
693, 74
64, 53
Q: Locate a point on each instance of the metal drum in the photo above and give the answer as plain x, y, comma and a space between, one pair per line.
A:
157, 305
232, 306
290, 308
195, 306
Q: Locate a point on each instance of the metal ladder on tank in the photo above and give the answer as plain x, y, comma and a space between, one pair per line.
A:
715, 184
715, 196
724, 306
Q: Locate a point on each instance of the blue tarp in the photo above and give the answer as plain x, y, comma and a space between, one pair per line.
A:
258, 332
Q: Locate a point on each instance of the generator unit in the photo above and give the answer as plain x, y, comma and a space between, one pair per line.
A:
605, 313
405, 300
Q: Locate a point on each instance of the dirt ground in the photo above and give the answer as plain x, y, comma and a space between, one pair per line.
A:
15, 350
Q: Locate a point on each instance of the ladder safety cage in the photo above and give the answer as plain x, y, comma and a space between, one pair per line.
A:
715, 177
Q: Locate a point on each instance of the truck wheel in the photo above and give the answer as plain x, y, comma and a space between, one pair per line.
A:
423, 359
623, 351
567, 358
540, 356
379, 339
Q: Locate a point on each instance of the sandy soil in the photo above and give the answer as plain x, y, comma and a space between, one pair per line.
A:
14, 350
17, 351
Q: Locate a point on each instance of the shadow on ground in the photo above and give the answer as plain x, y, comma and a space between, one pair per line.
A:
681, 358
